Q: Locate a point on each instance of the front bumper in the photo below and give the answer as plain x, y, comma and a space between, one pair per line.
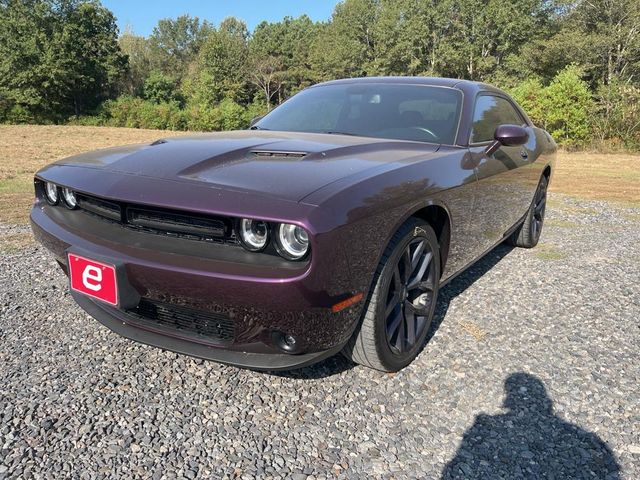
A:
116, 320
263, 303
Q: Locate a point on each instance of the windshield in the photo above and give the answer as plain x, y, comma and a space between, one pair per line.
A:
402, 112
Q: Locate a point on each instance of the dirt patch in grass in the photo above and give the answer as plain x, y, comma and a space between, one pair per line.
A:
634, 217
598, 176
547, 251
560, 223
561, 204
15, 242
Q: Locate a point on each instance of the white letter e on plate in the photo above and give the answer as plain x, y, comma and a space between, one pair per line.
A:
91, 278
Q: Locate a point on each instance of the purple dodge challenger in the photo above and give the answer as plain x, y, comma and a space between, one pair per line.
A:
328, 226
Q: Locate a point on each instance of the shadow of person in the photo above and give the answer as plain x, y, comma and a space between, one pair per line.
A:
529, 441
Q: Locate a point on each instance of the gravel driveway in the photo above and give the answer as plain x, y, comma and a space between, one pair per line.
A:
533, 369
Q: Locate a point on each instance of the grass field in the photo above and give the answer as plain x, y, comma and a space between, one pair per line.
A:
26, 148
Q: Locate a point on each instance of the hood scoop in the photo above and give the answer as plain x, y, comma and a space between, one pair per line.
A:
278, 154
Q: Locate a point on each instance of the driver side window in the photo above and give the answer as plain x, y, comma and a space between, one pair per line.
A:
490, 112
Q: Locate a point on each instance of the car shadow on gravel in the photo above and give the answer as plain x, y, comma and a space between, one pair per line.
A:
529, 441
338, 364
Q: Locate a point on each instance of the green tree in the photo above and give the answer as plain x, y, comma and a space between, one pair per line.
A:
483, 34
232, 115
612, 30
26, 28
411, 36
617, 123
289, 43
268, 76
602, 36
86, 49
58, 57
139, 55
175, 44
221, 68
346, 46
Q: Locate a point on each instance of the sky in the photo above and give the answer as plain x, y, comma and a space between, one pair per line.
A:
143, 15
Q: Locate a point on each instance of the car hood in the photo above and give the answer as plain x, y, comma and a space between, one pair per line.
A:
285, 165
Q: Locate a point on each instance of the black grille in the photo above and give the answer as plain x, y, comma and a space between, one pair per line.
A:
209, 326
102, 208
160, 221
175, 222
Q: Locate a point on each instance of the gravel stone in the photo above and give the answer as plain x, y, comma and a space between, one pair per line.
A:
532, 371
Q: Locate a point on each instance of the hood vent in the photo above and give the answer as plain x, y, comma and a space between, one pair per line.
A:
278, 154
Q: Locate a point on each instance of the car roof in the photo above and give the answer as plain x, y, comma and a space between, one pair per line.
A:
468, 86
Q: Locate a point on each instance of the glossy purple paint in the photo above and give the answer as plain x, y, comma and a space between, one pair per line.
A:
350, 193
511, 135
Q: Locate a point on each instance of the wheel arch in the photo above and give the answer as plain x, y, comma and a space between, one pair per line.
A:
439, 218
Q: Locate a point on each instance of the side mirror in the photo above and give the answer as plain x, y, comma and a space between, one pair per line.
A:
255, 120
509, 136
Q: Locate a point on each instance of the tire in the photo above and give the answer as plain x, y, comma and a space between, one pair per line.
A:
528, 234
387, 338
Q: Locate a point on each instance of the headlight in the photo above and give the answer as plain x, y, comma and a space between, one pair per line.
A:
293, 241
254, 234
69, 198
51, 192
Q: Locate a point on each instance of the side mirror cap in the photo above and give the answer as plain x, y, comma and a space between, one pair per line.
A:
508, 136
255, 120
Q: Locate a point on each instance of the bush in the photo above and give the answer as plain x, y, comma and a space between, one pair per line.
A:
617, 124
133, 112
5, 108
567, 108
19, 115
232, 115
173, 117
529, 96
227, 115
255, 109
87, 121
160, 88
122, 112
203, 119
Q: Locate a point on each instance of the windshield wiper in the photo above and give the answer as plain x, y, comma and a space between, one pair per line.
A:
256, 127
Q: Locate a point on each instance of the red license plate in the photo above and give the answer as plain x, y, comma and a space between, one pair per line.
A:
93, 278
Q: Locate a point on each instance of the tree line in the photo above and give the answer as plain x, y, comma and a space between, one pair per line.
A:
573, 64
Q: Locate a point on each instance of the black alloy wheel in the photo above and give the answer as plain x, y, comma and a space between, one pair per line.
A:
539, 206
402, 303
410, 296
528, 234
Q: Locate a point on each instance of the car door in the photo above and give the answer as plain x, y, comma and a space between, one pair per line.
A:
504, 189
